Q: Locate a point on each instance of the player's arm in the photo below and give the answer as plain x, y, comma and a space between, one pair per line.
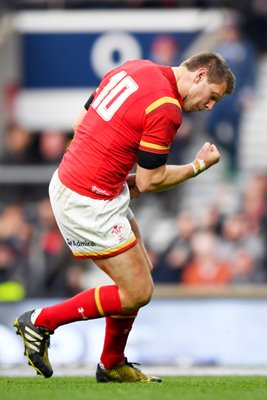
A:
82, 113
131, 182
78, 120
164, 176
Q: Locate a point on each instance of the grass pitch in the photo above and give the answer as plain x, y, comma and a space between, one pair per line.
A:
172, 388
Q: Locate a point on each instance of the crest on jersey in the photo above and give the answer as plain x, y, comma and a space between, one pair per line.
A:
117, 230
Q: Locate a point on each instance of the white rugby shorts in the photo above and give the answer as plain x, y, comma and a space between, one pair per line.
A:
92, 228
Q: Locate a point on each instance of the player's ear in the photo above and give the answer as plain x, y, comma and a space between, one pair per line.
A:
200, 74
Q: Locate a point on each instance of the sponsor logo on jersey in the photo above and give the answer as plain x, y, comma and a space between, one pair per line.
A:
97, 190
78, 243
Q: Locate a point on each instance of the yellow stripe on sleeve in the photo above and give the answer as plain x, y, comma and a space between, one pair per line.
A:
161, 101
97, 301
153, 146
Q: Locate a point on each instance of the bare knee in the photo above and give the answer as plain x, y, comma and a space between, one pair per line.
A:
136, 297
144, 295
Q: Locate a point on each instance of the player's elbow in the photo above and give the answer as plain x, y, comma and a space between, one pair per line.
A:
149, 180
145, 185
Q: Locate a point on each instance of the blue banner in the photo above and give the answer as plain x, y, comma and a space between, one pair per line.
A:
76, 60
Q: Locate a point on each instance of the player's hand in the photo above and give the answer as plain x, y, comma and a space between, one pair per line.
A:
134, 192
209, 154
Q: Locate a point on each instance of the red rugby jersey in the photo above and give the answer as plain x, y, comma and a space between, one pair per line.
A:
137, 106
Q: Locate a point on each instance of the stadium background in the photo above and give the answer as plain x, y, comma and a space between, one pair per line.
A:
52, 54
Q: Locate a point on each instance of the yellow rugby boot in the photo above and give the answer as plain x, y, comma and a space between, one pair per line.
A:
126, 372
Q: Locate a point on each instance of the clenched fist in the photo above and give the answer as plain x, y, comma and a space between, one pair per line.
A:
207, 156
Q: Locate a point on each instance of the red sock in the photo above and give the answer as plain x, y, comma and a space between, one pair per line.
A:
92, 303
117, 332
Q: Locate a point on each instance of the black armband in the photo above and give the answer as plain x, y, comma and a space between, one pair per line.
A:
89, 101
151, 160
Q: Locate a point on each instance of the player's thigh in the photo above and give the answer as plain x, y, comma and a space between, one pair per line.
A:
129, 270
137, 233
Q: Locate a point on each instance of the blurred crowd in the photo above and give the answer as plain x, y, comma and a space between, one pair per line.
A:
214, 245
34, 260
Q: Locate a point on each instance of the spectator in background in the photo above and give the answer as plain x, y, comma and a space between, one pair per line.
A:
210, 219
206, 266
255, 13
15, 229
18, 143
75, 274
165, 50
223, 124
11, 286
243, 249
254, 202
18, 150
244, 268
51, 245
54, 271
170, 265
15, 235
52, 146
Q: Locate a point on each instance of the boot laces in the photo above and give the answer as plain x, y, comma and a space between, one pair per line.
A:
134, 365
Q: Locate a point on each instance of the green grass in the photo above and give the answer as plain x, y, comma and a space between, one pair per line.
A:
175, 388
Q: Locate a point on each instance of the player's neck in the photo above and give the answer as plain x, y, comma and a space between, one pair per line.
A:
181, 77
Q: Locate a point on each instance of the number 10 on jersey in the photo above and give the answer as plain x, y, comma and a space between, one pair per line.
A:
114, 94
